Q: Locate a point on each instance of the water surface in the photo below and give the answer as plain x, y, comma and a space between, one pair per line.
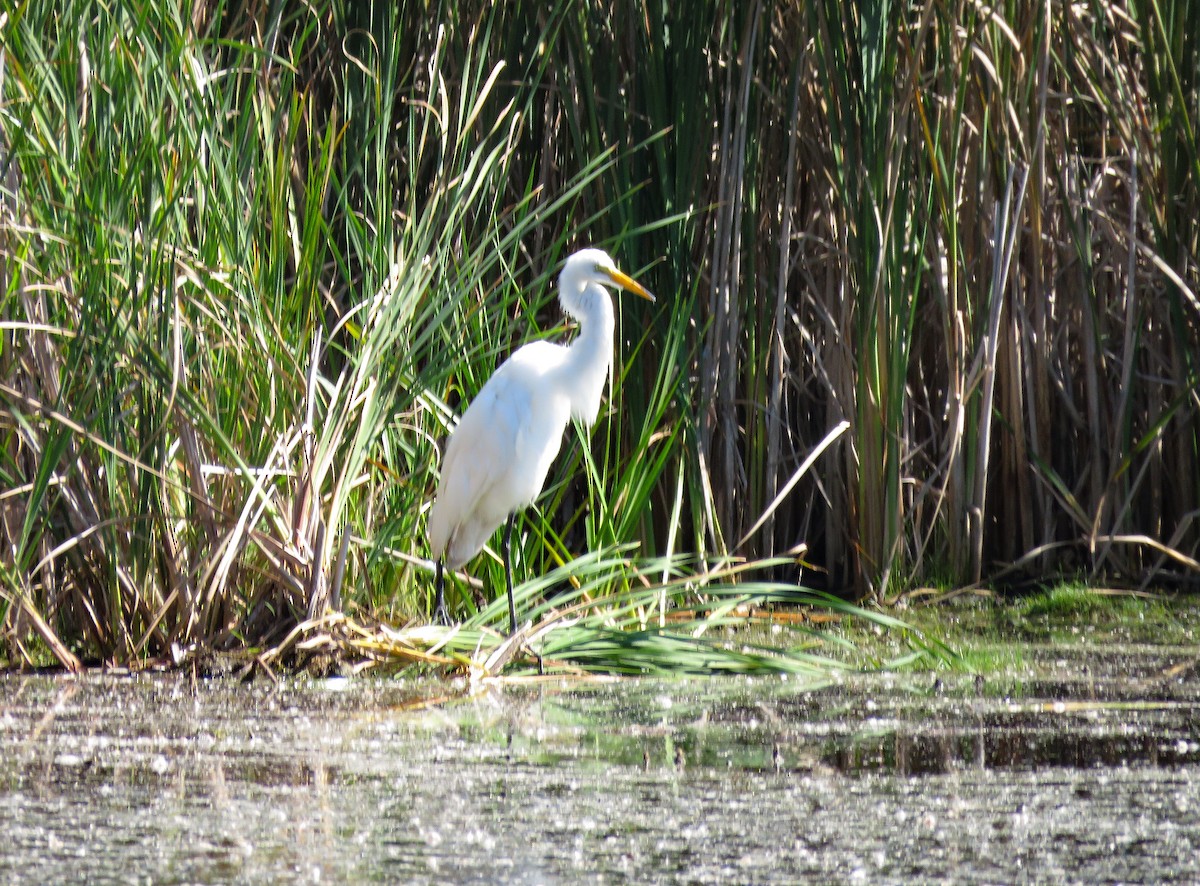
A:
1083, 768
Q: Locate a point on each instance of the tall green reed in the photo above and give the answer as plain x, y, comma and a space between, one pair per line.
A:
233, 330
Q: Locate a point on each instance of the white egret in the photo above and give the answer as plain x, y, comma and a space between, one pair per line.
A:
498, 456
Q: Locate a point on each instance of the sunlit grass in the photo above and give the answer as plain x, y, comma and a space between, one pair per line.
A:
620, 621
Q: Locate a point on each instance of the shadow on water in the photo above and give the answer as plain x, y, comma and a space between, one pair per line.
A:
1082, 767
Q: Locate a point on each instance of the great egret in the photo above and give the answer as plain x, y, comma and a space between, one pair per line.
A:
498, 456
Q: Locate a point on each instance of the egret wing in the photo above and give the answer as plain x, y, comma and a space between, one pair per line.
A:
480, 452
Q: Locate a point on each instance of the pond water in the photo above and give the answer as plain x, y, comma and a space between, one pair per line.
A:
1084, 767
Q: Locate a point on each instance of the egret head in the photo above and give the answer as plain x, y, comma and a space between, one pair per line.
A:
596, 266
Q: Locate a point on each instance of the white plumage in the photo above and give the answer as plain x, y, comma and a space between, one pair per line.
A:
498, 457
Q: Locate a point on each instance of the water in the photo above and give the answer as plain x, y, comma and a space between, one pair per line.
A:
1082, 768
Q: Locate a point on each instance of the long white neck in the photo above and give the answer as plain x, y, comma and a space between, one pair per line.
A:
590, 355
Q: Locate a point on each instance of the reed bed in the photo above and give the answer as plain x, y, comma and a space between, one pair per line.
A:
927, 302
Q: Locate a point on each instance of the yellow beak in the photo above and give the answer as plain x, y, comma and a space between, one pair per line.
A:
627, 282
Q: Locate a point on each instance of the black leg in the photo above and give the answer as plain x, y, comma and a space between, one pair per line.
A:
512, 607
440, 615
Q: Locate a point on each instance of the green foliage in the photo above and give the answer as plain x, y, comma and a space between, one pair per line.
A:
226, 314
1066, 600
1069, 610
589, 617
255, 258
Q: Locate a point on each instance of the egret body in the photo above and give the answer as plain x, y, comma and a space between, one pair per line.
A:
498, 457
